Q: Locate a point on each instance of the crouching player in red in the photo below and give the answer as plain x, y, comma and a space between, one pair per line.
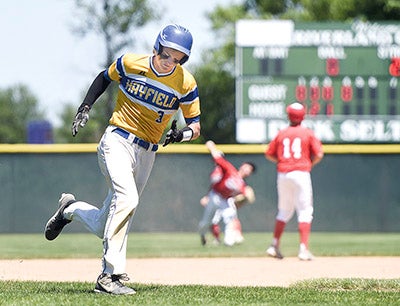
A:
240, 200
227, 182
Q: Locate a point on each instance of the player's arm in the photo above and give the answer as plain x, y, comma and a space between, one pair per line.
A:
215, 153
97, 88
271, 158
317, 152
316, 158
192, 129
219, 157
270, 153
195, 127
190, 106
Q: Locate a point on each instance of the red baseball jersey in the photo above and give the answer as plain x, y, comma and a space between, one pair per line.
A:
294, 147
216, 175
225, 179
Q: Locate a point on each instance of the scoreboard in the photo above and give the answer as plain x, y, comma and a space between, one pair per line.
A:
345, 74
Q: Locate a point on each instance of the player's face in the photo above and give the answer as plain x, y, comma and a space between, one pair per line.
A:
246, 170
167, 60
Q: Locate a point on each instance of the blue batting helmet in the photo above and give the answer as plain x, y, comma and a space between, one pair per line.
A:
176, 37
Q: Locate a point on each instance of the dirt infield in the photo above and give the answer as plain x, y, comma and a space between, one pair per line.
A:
259, 271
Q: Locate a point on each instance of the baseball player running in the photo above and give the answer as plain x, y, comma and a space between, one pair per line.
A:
295, 150
224, 187
151, 90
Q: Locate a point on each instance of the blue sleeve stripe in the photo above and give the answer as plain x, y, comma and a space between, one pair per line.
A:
192, 120
106, 75
120, 67
191, 96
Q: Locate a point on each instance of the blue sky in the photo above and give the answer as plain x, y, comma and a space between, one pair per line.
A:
40, 51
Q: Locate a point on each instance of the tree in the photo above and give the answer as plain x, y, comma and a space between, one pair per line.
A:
18, 107
217, 91
216, 77
342, 10
113, 21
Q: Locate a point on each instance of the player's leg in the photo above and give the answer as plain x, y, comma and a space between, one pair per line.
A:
208, 214
214, 227
304, 209
285, 205
237, 227
127, 180
90, 216
93, 218
216, 232
229, 215
285, 212
57, 222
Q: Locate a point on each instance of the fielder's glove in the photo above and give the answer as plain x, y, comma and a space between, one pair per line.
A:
81, 117
173, 135
248, 197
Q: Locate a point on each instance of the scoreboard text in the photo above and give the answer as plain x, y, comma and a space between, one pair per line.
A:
346, 75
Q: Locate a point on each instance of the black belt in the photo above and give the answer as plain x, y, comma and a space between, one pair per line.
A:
140, 142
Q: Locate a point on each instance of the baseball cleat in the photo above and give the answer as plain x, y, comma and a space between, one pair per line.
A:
203, 239
305, 255
111, 284
273, 251
57, 222
239, 238
216, 241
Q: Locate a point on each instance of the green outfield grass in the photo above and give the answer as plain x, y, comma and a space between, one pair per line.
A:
140, 245
318, 292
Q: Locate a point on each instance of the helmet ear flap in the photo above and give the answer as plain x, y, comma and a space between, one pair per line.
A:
159, 49
184, 60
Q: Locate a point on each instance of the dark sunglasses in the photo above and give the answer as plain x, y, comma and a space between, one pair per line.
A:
166, 56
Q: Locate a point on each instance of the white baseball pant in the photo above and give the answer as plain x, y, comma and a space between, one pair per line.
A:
295, 193
126, 168
228, 213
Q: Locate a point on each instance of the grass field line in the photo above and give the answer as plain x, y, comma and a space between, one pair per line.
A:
251, 271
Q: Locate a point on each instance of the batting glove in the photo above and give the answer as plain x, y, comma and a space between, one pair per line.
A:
173, 135
81, 117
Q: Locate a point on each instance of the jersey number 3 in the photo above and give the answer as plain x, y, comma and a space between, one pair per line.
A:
292, 148
160, 116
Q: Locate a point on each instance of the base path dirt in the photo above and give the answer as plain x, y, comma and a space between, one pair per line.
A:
259, 271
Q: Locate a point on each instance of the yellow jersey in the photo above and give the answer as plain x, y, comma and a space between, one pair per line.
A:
147, 100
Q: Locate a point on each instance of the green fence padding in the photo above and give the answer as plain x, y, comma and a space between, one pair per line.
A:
352, 192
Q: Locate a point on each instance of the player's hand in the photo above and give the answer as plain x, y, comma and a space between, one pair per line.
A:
204, 201
81, 117
173, 135
211, 146
249, 194
248, 197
